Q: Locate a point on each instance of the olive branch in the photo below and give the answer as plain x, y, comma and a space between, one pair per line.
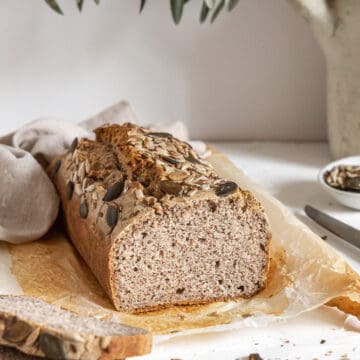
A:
210, 9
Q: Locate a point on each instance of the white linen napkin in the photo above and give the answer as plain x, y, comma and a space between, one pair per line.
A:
28, 200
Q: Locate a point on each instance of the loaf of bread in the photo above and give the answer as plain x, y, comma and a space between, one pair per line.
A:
156, 224
41, 329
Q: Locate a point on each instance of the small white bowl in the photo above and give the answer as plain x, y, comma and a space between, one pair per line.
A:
347, 198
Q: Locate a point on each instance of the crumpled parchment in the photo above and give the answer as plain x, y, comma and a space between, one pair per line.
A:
305, 274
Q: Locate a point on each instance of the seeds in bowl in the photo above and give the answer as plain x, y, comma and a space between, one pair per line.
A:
344, 177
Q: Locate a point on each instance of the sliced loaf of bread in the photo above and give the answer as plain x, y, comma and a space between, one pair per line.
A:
156, 224
38, 328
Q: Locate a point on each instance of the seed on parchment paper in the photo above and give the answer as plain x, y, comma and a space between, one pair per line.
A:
69, 190
74, 145
114, 191
226, 188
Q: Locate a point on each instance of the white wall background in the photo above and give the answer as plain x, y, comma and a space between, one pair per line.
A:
256, 73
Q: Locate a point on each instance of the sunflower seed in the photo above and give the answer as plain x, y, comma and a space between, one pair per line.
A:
69, 190
192, 192
178, 175
78, 189
84, 209
226, 188
90, 188
94, 196
74, 145
170, 187
87, 166
57, 166
114, 191
51, 346
205, 187
112, 216
17, 331
81, 171
139, 194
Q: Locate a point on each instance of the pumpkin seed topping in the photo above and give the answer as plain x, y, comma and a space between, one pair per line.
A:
114, 191
226, 188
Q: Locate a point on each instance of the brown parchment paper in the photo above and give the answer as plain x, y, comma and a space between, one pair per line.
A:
305, 274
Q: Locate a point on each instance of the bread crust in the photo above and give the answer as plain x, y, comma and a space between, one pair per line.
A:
150, 166
37, 338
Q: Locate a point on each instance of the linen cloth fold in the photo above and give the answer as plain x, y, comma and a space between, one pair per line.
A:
28, 200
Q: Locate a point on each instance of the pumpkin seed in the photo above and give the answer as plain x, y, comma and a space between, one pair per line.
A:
112, 216
84, 209
114, 191
17, 331
69, 190
170, 187
74, 145
51, 346
353, 184
57, 166
161, 134
226, 188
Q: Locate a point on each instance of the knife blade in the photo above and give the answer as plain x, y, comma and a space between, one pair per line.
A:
337, 227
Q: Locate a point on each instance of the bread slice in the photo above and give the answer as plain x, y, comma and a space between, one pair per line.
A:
40, 329
156, 224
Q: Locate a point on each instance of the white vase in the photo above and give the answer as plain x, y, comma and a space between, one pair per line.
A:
336, 25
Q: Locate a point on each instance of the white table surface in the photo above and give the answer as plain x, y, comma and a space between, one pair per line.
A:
289, 172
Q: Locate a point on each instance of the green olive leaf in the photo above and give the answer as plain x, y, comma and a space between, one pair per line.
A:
97, 2
204, 12
55, 6
232, 4
177, 7
217, 10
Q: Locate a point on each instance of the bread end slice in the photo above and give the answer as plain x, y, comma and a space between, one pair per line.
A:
41, 329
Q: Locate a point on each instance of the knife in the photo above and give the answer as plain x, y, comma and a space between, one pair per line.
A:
344, 231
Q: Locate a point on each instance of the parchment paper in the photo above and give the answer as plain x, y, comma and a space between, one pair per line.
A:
305, 274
